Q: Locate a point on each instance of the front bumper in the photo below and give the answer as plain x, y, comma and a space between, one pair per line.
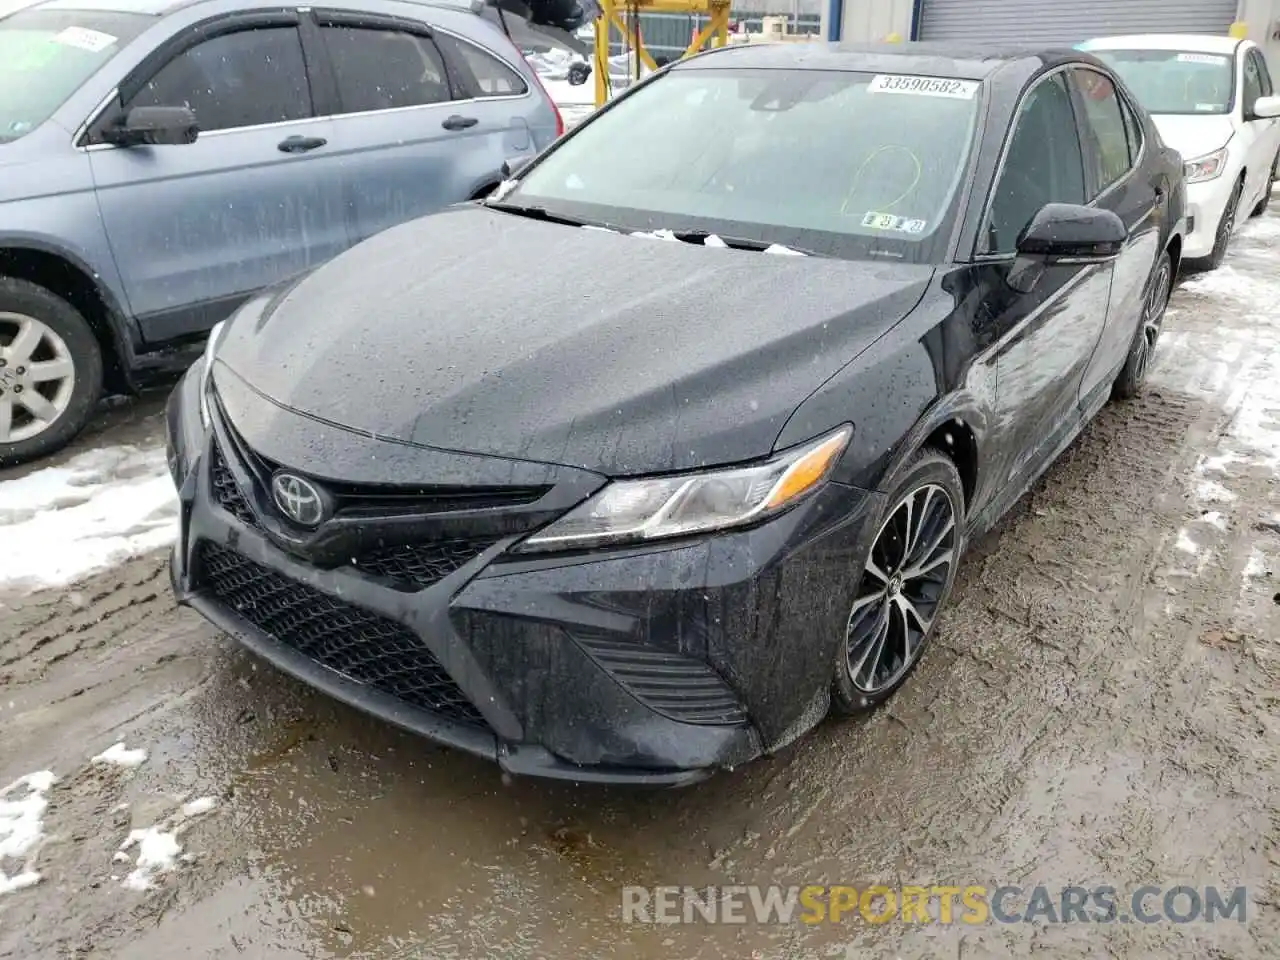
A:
648, 666
1206, 202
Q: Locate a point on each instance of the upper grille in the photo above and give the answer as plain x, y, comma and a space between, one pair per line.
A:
360, 645
226, 492
405, 567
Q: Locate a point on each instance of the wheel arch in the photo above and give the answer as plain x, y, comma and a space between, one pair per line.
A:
65, 275
955, 427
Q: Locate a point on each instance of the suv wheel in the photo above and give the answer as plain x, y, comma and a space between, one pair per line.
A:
50, 372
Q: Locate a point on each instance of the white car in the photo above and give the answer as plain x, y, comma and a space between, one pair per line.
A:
1213, 100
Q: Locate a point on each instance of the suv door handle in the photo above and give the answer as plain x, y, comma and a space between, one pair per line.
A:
297, 144
459, 122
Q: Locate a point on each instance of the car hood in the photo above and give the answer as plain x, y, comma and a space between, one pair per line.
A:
477, 331
1194, 136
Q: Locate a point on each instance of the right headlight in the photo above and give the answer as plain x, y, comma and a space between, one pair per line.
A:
1208, 167
653, 508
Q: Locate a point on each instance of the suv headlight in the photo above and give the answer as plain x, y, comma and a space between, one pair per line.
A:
632, 511
206, 365
1207, 167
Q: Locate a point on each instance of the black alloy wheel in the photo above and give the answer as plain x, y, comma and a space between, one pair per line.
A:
1144, 343
907, 578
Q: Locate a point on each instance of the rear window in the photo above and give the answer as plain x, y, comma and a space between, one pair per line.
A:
846, 164
1176, 81
45, 55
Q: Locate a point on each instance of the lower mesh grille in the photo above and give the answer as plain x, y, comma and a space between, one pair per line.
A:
417, 566
360, 645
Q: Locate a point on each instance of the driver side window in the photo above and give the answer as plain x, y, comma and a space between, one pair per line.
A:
240, 79
1043, 165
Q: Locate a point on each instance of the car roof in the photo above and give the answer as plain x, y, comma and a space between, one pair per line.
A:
162, 7
1189, 42
935, 59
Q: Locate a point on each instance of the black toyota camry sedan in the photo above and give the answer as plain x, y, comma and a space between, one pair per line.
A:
670, 448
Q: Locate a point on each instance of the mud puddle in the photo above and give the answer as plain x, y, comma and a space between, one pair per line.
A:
1101, 707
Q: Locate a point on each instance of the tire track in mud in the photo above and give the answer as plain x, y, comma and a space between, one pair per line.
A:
44, 629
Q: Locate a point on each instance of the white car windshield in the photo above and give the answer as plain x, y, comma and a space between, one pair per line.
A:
879, 157
1176, 81
45, 55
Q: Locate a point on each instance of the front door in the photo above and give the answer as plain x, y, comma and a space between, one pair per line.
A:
1114, 174
1263, 133
1045, 336
195, 229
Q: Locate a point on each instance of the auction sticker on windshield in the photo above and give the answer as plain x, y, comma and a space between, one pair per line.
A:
1201, 58
923, 86
82, 38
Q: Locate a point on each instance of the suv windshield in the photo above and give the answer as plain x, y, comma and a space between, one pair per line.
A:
1175, 81
852, 165
45, 55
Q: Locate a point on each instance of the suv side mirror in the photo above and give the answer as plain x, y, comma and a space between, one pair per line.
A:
154, 126
1264, 108
1065, 233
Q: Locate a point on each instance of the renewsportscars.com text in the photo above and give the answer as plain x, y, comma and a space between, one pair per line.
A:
973, 904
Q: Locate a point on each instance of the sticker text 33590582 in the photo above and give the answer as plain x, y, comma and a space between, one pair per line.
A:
923, 86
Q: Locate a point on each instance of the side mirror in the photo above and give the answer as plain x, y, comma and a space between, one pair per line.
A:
1065, 233
1265, 108
511, 168
155, 126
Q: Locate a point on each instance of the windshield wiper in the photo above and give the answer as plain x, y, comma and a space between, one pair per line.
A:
540, 213
739, 243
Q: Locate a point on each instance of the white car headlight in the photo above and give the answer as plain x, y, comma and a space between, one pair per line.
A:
206, 365
630, 511
1207, 167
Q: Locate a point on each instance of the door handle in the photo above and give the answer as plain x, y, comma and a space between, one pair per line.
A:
300, 144
459, 122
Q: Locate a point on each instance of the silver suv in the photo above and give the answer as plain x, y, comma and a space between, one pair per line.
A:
163, 160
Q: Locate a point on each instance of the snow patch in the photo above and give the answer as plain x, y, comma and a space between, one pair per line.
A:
158, 849
1186, 544
100, 508
1210, 491
121, 756
1214, 519
22, 806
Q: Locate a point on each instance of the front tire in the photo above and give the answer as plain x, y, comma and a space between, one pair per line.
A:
50, 372
1143, 347
1226, 227
906, 580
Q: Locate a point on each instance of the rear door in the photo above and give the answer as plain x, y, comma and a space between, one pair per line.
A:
197, 228
413, 134
1118, 180
1045, 336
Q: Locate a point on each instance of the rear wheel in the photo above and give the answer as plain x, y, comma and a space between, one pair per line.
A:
906, 579
50, 372
1143, 348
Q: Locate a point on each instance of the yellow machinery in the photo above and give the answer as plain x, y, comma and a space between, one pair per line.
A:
624, 16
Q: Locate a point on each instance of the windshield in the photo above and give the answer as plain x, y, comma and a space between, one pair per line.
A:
1174, 81
45, 55
845, 164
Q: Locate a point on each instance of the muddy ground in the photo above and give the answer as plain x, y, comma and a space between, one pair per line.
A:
1102, 706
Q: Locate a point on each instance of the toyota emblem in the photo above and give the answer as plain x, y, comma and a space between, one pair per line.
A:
298, 499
